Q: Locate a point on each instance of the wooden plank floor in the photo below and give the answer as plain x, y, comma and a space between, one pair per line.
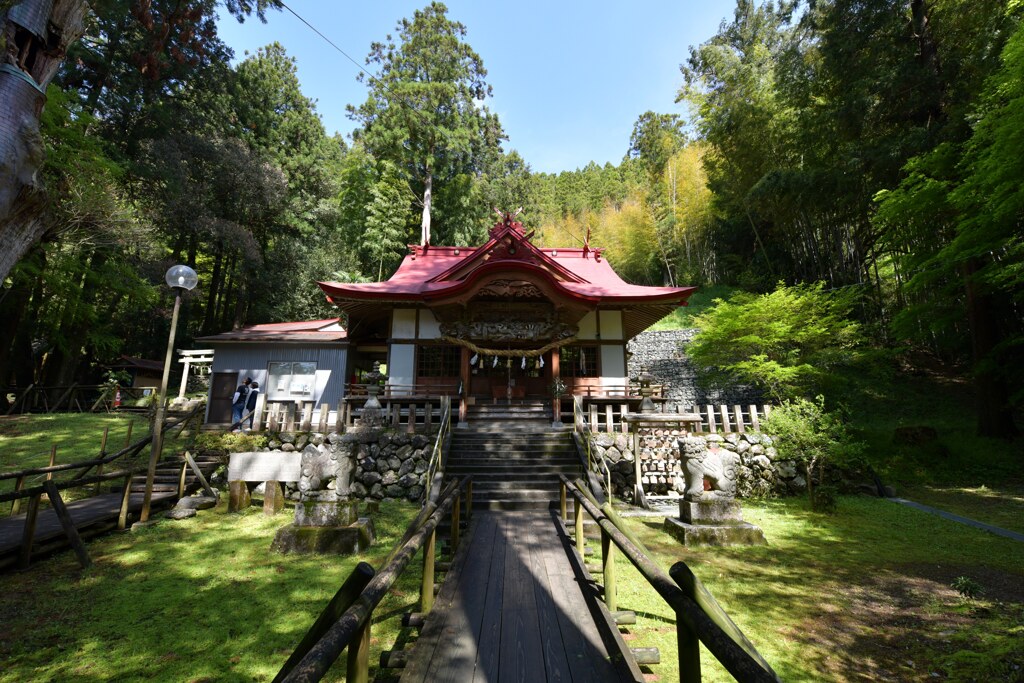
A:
84, 513
514, 609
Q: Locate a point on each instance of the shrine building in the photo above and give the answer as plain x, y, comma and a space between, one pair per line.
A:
507, 322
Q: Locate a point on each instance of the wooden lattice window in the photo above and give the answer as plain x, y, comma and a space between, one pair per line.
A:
438, 361
578, 361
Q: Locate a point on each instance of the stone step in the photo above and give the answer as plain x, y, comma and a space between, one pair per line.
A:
470, 466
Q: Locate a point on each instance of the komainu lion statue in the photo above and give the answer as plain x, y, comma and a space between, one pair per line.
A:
715, 464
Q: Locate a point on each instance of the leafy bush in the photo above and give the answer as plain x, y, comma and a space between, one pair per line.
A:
789, 343
804, 431
230, 442
968, 588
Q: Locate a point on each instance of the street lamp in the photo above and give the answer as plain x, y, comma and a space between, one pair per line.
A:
180, 279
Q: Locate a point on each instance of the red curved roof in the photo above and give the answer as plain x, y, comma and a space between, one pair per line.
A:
431, 273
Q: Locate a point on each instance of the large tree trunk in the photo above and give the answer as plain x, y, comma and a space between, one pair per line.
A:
37, 35
428, 190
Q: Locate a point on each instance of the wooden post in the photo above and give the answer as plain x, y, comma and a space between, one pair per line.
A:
427, 583
766, 409
608, 567
688, 644
428, 415
325, 410
199, 474
67, 523
128, 436
261, 406
181, 480
411, 427
738, 414
593, 418
358, 670
126, 495
465, 376
469, 500
609, 419
581, 542
19, 484
561, 501
724, 412
711, 420
53, 461
753, 418
28, 532
339, 417
307, 417
623, 409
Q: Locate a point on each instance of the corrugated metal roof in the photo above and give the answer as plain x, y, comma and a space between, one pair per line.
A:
328, 330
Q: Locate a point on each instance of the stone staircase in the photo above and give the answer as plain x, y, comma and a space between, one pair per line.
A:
513, 469
515, 415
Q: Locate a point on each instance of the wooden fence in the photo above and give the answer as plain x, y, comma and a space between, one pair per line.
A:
608, 417
699, 617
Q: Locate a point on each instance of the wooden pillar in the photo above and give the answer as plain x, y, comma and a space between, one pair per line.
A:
465, 376
184, 378
427, 583
57, 503
556, 373
608, 561
581, 541
28, 532
358, 663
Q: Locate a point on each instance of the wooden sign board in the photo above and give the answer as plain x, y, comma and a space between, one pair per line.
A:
265, 466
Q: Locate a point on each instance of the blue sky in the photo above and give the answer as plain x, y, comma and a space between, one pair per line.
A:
569, 78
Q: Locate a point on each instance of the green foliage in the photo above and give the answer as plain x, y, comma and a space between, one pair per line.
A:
424, 113
789, 342
968, 588
230, 442
804, 431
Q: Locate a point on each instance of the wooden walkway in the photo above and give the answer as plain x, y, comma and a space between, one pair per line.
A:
515, 608
89, 513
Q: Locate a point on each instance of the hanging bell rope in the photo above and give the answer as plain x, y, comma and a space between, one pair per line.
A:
509, 353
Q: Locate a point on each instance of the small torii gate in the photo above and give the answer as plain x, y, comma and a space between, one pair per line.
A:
201, 358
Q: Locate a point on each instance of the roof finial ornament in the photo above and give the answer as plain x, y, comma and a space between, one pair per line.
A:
586, 243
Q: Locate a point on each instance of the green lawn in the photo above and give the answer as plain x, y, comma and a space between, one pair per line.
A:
25, 440
198, 600
861, 595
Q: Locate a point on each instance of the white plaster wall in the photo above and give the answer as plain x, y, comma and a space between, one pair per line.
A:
403, 323
611, 324
613, 365
429, 327
588, 326
402, 366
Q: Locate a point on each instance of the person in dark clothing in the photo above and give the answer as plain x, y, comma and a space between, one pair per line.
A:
238, 401
250, 403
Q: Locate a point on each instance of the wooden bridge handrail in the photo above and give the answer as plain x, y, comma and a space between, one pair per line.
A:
701, 616
70, 484
353, 623
86, 464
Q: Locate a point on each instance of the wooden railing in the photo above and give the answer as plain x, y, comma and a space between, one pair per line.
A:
345, 622
439, 453
52, 488
707, 419
78, 398
699, 617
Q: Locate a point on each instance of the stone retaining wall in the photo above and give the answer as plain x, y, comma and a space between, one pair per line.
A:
664, 354
761, 473
385, 464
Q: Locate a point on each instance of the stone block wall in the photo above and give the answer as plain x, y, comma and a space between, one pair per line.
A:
383, 464
761, 472
664, 354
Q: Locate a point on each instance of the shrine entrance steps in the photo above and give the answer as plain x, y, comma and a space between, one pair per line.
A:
513, 470
517, 414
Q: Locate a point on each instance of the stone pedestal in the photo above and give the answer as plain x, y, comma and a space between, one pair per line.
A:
325, 540
238, 496
325, 528
273, 498
713, 522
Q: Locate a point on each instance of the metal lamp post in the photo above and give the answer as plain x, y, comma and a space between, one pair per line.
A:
180, 279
